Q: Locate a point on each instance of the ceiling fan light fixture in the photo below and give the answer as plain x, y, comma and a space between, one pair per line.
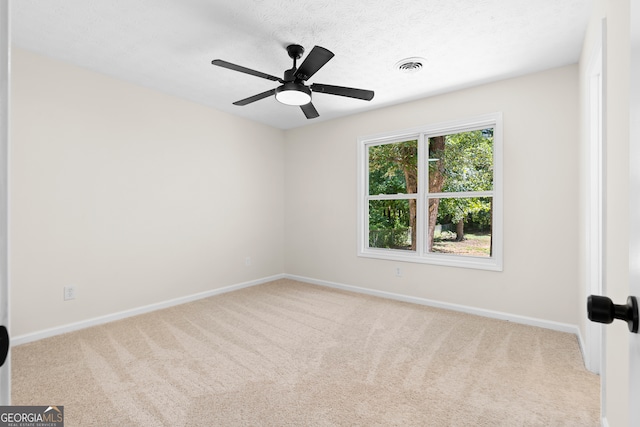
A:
292, 93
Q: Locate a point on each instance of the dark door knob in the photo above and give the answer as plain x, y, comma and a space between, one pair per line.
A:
602, 310
4, 344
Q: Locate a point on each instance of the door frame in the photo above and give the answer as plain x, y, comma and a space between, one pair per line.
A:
634, 206
595, 201
595, 204
5, 66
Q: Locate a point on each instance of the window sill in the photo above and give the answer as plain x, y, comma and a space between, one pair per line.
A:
478, 263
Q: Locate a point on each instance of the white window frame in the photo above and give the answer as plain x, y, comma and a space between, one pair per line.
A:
420, 255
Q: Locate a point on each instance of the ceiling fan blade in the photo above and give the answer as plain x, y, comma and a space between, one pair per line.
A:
366, 95
234, 67
255, 98
310, 111
313, 62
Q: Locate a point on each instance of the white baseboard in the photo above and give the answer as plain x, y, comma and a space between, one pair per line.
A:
604, 422
583, 348
23, 339
556, 326
547, 324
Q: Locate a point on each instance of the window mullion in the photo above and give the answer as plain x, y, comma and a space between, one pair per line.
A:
423, 189
398, 196
462, 194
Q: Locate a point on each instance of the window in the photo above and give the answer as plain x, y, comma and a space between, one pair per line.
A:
433, 194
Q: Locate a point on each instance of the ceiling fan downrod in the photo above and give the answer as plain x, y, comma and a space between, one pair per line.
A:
295, 52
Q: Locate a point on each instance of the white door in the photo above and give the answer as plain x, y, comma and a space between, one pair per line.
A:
634, 209
5, 369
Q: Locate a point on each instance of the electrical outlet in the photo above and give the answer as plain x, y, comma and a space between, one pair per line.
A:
69, 293
398, 272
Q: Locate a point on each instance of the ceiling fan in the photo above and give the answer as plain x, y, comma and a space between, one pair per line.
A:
293, 91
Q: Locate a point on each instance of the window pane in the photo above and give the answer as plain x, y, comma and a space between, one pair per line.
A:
393, 168
460, 226
461, 162
390, 224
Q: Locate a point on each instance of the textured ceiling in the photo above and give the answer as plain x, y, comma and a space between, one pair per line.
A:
168, 45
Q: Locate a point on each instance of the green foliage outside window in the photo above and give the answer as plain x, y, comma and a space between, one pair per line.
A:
461, 162
468, 166
392, 170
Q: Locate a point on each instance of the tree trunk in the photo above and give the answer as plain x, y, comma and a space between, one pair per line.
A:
436, 181
460, 231
434, 204
407, 156
411, 178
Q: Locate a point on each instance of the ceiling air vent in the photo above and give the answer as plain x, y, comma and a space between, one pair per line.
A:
410, 65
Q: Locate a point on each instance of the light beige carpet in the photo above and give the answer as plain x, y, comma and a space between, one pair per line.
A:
292, 354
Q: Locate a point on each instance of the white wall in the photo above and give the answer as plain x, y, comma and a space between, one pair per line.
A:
136, 197
540, 192
133, 196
